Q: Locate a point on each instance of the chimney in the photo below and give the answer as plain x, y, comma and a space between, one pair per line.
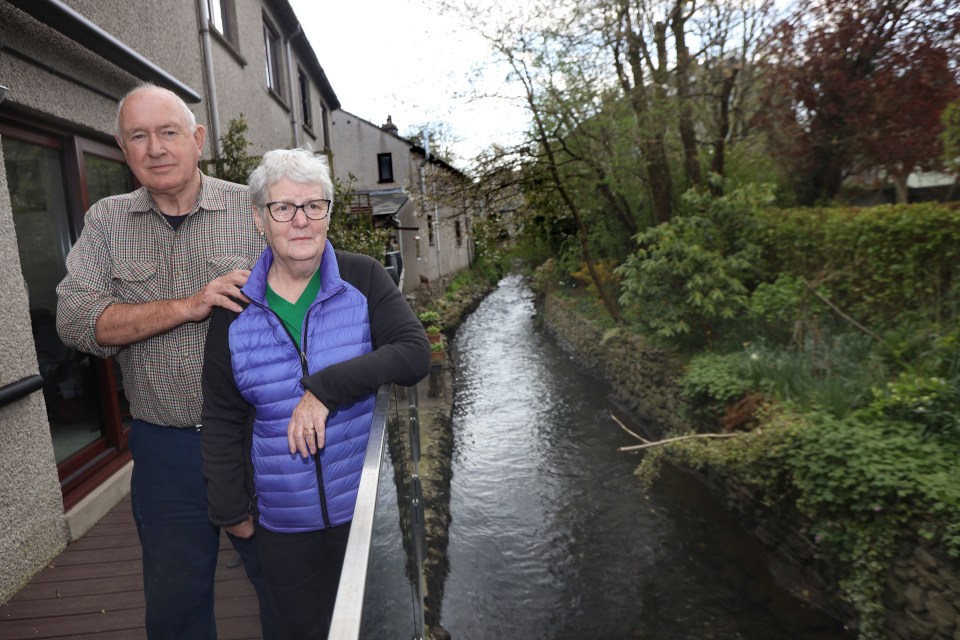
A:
389, 127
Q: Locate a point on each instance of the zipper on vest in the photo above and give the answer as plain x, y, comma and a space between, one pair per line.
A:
316, 457
303, 344
306, 372
323, 494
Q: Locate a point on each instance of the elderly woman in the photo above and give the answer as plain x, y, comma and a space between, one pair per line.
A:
289, 385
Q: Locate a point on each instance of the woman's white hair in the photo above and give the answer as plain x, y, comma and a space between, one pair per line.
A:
302, 166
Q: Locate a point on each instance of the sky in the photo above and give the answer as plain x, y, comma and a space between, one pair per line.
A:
398, 58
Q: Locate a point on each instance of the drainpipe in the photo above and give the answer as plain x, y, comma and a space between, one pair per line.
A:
294, 88
436, 231
213, 108
436, 211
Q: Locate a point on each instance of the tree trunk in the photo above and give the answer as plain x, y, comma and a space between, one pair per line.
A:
902, 190
688, 136
723, 128
652, 145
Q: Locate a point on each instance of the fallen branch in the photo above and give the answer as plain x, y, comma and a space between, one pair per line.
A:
694, 436
624, 427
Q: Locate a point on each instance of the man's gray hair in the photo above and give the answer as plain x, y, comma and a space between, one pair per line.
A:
188, 116
302, 166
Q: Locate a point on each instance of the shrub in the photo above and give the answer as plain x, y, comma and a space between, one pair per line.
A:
864, 482
875, 264
674, 285
931, 403
711, 383
690, 278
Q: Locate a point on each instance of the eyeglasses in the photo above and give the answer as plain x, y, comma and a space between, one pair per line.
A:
287, 211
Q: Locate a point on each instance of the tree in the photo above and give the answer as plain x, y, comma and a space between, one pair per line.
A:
441, 139
860, 84
951, 143
733, 38
235, 165
618, 100
642, 63
551, 149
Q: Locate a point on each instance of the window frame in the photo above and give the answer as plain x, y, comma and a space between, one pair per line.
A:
325, 126
85, 469
306, 106
385, 167
273, 59
226, 26
227, 32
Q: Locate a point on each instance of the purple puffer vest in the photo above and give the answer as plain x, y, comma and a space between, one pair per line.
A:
296, 494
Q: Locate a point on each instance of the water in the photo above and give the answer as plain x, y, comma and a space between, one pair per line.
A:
553, 538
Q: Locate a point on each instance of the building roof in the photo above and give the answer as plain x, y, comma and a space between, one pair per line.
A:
414, 147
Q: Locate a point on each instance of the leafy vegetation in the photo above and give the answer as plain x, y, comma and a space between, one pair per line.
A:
870, 457
353, 230
837, 356
234, 164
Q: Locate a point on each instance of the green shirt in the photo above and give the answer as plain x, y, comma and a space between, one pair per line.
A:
293, 313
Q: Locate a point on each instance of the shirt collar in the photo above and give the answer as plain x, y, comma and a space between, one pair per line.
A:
208, 199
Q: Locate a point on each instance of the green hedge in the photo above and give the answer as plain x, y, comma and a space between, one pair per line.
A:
875, 263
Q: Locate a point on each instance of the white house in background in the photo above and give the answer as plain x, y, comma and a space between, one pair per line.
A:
423, 199
874, 187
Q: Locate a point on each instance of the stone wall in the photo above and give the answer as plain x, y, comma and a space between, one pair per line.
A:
923, 589
642, 377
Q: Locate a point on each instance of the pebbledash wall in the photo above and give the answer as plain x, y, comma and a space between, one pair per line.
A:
923, 587
32, 528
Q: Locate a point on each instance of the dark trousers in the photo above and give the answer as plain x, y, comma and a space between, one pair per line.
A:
302, 572
180, 545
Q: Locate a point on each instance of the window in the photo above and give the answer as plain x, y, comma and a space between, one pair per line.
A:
272, 49
459, 232
385, 164
305, 112
326, 130
430, 239
223, 19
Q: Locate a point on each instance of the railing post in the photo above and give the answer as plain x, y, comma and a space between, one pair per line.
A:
417, 524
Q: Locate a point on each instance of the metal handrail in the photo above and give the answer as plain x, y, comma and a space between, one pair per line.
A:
19, 389
347, 620
348, 611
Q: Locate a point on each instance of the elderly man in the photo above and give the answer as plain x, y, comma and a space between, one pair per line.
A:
141, 282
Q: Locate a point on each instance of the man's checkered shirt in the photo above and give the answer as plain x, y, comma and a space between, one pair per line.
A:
129, 253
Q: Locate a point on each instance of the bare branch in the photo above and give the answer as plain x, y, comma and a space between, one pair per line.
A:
693, 436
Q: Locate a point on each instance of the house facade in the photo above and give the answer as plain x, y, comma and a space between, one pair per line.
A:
423, 199
64, 65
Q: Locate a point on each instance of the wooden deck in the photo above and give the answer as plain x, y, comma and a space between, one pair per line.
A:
94, 589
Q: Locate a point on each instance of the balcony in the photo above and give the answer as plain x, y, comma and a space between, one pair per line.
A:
94, 589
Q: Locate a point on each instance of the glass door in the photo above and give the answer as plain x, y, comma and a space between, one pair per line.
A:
38, 194
52, 178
